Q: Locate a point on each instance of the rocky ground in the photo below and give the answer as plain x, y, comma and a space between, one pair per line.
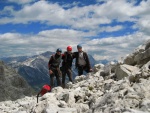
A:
121, 87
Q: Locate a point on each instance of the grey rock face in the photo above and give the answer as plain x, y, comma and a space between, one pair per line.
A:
1, 70
140, 56
143, 57
147, 45
12, 85
125, 71
130, 60
146, 70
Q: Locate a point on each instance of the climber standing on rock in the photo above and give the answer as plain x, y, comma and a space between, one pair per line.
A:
54, 70
82, 61
66, 65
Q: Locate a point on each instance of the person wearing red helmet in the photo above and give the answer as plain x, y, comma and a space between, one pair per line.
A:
66, 65
69, 48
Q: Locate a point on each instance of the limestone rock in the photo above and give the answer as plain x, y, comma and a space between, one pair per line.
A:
125, 71
146, 70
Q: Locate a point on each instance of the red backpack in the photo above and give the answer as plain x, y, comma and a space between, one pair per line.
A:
46, 88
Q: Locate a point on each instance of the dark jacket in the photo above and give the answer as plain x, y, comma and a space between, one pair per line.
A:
76, 55
67, 60
54, 61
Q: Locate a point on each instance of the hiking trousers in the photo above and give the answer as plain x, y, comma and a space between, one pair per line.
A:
67, 72
56, 73
81, 69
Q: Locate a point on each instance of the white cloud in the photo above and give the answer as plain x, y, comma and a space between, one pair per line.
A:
115, 47
100, 57
110, 28
76, 19
14, 44
144, 26
49, 40
143, 23
85, 18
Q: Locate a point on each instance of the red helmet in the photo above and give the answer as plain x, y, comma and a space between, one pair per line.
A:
69, 48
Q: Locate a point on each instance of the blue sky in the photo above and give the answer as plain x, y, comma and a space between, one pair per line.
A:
107, 29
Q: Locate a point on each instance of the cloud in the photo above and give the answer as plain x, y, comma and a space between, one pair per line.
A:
77, 19
86, 17
115, 47
15, 44
143, 22
100, 57
49, 40
82, 18
144, 25
110, 28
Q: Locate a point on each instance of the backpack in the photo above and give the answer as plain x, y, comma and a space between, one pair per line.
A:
46, 88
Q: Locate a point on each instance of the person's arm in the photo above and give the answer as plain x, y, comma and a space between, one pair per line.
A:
63, 56
49, 65
74, 55
88, 62
50, 61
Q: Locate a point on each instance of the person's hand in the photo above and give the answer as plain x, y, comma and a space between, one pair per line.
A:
50, 71
91, 70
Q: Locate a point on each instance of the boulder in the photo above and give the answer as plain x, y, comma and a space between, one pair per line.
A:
129, 60
125, 71
147, 45
79, 78
146, 70
142, 57
98, 67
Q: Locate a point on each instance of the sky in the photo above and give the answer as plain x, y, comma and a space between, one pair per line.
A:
106, 29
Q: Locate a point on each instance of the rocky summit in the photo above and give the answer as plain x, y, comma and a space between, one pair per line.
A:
121, 87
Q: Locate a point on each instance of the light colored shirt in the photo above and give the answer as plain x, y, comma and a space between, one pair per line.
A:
81, 60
